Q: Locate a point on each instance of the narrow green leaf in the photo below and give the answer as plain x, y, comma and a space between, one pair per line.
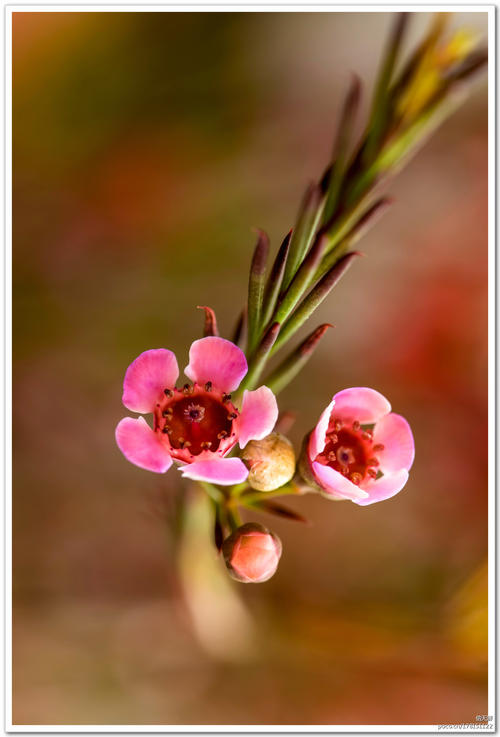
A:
314, 299
274, 280
295, 362
396, 154
303, 231
366, 221
256, 285
303, 278
382, 98
210, 327
341, 148
438, 26
404, 145
258, 360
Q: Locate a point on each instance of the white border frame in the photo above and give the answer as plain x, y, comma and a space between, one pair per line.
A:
6, 370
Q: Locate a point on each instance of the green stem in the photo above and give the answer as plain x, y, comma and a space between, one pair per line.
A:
233, 517
258, 361
250, 499
213, 492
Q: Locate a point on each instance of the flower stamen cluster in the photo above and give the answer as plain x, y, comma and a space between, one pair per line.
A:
196, 420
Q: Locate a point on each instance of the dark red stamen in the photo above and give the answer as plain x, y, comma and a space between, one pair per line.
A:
196, 420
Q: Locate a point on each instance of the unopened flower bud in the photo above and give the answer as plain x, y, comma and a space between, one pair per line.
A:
252, 553
271, 462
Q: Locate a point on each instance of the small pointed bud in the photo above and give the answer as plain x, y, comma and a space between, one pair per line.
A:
271, 462
210, 327
252, 553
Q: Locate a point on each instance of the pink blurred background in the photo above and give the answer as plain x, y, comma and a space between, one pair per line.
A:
146, 146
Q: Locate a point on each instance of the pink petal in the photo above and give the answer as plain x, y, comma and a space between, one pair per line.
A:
336, 485
362, 404
389, 485
225, 471
318, 436
259, 412
141, 445
394, 433
147, 377
217, 360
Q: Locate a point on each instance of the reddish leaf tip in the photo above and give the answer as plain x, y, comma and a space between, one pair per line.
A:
210, 327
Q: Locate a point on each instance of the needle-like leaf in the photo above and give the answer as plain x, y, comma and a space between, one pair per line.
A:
274, 280
265, 505
303, 231
314, 299
381, 99
295, 362
303, 278
260, 357
256, 285
366, 221
341, 148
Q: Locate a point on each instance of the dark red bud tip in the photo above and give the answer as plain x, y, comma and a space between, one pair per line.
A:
210, 327
252, 553
310, 343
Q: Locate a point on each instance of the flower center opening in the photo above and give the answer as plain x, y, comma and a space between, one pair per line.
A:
195, 420
349, 450
194, 413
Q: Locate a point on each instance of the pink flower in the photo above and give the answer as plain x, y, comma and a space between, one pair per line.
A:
252, 553
359, 450
198, 424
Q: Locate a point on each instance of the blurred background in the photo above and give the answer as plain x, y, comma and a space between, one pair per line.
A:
146, 147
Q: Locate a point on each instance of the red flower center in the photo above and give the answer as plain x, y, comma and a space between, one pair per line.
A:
350, 451
195, 419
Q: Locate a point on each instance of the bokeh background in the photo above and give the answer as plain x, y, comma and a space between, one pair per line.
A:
146, 147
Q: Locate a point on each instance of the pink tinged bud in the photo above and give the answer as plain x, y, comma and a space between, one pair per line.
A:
252, 553
345, 459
